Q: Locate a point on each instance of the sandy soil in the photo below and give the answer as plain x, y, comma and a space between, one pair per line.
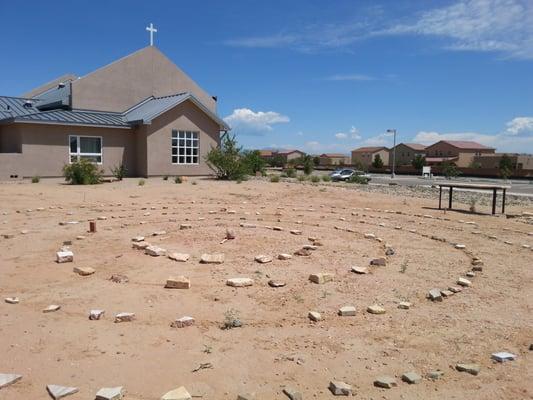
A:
277, 345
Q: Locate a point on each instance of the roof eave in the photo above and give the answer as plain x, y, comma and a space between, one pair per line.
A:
24, 121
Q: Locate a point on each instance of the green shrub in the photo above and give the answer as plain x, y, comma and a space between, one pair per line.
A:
225, 161
119, 171
308, 164
82, 172
165, 178
361, 180
178, 179
301, 178
141, 182
326, 178
252, 162
35, 179
315, 179
274, 178
291, 172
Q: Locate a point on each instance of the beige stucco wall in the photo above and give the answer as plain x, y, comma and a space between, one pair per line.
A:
45, 148
9, 140
185, 116
404, 154
443, 149
366, 158
334, 161
125, 82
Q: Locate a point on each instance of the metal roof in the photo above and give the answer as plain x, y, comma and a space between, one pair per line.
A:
12, 109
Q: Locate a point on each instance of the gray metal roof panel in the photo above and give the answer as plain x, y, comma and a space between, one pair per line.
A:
76, 117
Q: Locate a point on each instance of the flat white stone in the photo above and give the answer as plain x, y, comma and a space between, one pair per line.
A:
12, 300
181, 257
51, 308
284, 256
155, 251
360, 270
177, 394
9, 379
64, 256
137, 239
239, 282
95, 315
183, 322
124, 317
212, 258
84, 271
460, 246
503, 356
114, 393
262, 259
159, 233
404, 305
339, 388
58, 392
464, 282
347, 311
314, 316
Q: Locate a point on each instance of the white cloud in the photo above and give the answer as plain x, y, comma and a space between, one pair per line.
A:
244, 120
341, 135
505, 26
520, 125
350, 77
354, 132
428, 138
477, 25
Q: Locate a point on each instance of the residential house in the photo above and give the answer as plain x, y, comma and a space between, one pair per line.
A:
366, 155
406, 153
460, 152
334, 159
492, 161
140, 111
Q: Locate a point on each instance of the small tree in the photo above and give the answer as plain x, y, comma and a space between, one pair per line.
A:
277, 161
506, 167
308, 164
378, 162
119, 171
225, 160
359, 165
450, 170
253, 162
316, 160
419, 162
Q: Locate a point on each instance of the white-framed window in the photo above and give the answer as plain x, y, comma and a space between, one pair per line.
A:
185, 147
85, 148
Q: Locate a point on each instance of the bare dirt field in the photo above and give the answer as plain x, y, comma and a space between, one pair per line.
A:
277, 344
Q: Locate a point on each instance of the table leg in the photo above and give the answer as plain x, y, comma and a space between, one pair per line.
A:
503, 201
440, 196
450, 199
493, 201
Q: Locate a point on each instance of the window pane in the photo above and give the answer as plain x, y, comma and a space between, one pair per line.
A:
73, 144
195, 160
174, 151
174, 142
182, 151
95, 159
181, 160
174, 160
188, 160
90, 145
174, 134
195, 152
181, 142
188, 143
188, 152
195, 135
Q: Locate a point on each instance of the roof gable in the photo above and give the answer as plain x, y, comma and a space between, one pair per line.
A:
463, 144
369, 149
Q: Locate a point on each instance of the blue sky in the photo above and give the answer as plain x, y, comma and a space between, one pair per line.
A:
310, 74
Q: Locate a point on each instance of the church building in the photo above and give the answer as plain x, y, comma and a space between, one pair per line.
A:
140, 111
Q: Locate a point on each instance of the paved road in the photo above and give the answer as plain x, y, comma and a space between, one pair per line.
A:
517, 186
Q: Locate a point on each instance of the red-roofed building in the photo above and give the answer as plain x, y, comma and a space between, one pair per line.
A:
406, 152
334, 159
366, 155
463, 150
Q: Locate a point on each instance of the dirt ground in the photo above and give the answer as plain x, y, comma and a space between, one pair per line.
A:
277, 345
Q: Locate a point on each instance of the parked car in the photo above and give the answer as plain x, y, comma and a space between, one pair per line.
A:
346, 173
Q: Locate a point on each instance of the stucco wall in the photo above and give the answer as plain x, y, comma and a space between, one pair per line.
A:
125, 82
443, 149
366, 158
404, 155
185, 116
45, 148
10, 139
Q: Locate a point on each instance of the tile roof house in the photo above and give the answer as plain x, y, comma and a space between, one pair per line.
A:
140, 111
365, 156
406, 152
460, 152
334, 159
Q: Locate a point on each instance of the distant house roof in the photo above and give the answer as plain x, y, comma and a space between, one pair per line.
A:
333, 155
287, 152
266, 153
369, 149
415, 146
464, 144
15, 109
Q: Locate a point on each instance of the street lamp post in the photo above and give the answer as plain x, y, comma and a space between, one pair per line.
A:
393, 153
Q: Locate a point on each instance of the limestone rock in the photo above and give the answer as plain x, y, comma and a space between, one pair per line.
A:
360, 270
386, 382
411, 378
339, 388
435, 295
140, 245
239, 282
137, 239
347, 311
464, 282
284, 256
58, 392
302, 252
124, 317
64, 256
460, 246
262, 259
472, 369
51, 308
455, 289
404, 305
292, 393
310, 247
435, 374
277, 228
185, 226
155, 251
9, 379
370, 236
84, 271
12, 300
503, 356
95, 315
321, 278
114, 393
314, 316
159, 233
375, 309
381, 262
276, 284
177, 394
179, 282
212, 258
183, 322
181, 257
446, 293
